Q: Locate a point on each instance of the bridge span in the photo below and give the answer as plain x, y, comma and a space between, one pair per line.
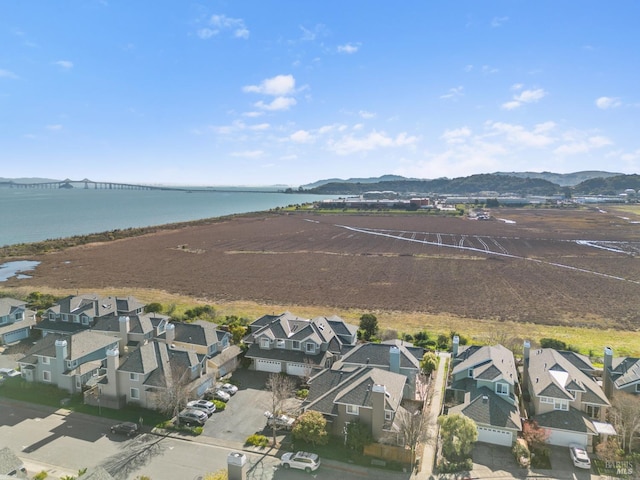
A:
87, 184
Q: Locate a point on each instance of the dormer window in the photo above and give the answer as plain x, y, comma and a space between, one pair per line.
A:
353, 409
264, 343
295, 345
310, 347
470, 373
279, 343
502, 388
637, 387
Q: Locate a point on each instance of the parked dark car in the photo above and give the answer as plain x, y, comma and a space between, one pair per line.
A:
126, 428
192, 417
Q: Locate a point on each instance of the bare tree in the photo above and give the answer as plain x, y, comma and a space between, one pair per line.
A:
625, 415
281, 387
175, 395
412, 426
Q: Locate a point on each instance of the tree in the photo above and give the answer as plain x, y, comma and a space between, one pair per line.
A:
280, 387
413, 429
154, 307
625, 416
171, 399
458, 433
429, 363
369, 326
358, 436
536, 437
311, 427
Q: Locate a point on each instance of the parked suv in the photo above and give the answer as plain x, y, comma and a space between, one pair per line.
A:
309, 462
206, 406
191, 417
579, 456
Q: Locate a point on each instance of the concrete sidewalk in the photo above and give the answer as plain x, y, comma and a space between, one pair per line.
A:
434, 404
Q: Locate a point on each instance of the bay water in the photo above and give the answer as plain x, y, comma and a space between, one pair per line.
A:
35, 214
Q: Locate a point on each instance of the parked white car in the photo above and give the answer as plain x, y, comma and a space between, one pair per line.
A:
309, 462
579, 456
207, 407
229, 388
281, 422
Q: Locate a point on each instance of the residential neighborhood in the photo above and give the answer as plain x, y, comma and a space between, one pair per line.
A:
113, 354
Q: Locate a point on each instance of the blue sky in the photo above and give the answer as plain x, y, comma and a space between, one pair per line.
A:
288, 92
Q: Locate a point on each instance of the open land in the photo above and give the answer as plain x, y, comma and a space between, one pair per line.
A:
527, 271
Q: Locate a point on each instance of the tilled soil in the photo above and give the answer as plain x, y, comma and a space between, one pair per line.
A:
533, 270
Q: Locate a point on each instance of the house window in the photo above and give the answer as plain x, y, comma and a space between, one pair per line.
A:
388, 415
18, 316
502, 388
75, 318
593, 411
310, 347
65, 317
52, 316
470, 373
295, 344
279, 343
264, 343
133, 377
72, 363
46, 376
353, 409
85, 320
560, 404
546, 400
135, 393
637, 387
46, 360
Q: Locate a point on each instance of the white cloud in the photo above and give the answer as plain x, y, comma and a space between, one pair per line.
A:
301, 136
222, 23
348, 48
453, 94
248, 154
66, 64
276, 86
280, 103
608, 102
521, 137
524, 97
349, 144
517, 86
310, 35
259, 126
487, 69
252, 114
582, 146
54, 128
366, 115
7, 74
498, 21
458, 135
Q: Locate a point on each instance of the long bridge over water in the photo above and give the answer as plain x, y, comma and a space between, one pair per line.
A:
87, 184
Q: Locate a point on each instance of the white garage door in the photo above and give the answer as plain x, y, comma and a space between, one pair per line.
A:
495, 436
563, 438
16, 335
272, 366
298, 369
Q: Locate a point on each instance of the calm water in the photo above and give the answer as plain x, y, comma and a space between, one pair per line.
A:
32, 215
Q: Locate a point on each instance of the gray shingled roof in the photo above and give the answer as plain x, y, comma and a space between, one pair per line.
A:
625, 371
78, 345
196, 333
9, 305
552, 372
9, 462
572, 420
352, 386
491, 363
283, 355
377, 354
488, 408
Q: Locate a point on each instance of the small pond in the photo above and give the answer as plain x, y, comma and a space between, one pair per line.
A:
16, 269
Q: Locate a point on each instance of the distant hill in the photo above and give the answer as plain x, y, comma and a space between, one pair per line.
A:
27, 180
474, 184
562, 179
607, 186
383, 178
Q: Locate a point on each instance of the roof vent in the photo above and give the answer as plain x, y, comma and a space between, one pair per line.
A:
485, 399
368, 361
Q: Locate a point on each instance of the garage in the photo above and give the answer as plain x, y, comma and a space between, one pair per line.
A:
298, 369
495, 436
15, 336
563, 438
273, 366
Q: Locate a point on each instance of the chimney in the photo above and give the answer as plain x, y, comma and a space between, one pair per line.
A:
113, 363
62, 352
394, 360
607, 381
456, 344
125, 328
170, 333
378, 402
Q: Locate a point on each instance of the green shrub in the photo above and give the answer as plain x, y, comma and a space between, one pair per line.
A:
257, 440
302, 393
452, 467
40, 476
220, 405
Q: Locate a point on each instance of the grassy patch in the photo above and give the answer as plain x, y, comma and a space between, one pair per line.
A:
20, 390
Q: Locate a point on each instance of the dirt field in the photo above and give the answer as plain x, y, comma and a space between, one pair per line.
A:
573, 267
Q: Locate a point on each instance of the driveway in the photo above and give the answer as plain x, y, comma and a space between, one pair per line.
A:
244, 414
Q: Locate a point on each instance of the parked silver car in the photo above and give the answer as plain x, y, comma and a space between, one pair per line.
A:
192, 417
309, 462
206, 406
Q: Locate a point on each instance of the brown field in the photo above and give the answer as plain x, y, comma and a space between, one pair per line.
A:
495, 275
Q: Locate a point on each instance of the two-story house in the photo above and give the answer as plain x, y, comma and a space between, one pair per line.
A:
394, 357
133, 330
16, 320
565, 397
148, 374
80, 312
484, 383
67, 361
205, 339
366, 394
297, 346
620, 374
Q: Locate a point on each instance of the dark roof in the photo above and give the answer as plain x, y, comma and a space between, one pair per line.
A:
79, 345
625, 371
377, 354
488, 408
572, 420
283, 355
60, 327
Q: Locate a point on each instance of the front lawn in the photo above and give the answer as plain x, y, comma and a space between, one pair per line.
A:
19, 389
